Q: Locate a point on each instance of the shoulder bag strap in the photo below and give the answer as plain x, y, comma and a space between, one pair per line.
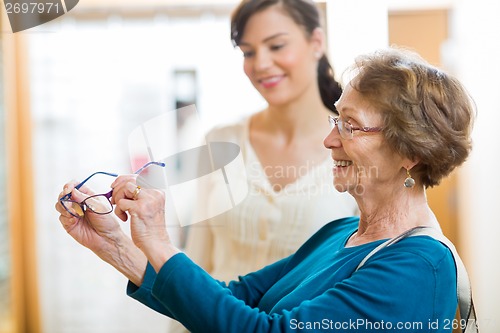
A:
464, 292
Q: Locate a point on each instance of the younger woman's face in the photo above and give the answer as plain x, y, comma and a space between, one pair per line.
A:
280, 61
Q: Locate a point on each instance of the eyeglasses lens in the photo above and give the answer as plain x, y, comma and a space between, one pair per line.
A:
345, 130
99, 204
73, 208
343, 127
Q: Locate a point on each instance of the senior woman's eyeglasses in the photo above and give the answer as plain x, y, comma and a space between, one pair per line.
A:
346, 129
98, 203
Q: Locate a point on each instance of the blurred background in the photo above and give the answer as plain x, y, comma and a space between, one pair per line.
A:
73, 89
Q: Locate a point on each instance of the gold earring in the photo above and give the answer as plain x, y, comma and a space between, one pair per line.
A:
409, 181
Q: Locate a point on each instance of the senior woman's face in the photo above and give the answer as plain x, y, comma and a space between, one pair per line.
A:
365, 161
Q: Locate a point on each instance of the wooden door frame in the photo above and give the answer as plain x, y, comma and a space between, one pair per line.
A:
25, 312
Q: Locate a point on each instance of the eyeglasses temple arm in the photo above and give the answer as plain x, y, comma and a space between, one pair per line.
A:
110, 193
148, 164
68, 195
371, 129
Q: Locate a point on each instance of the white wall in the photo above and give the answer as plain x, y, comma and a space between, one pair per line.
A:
355, 27
475, 53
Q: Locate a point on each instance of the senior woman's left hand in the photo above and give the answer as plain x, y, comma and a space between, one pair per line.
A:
146, 208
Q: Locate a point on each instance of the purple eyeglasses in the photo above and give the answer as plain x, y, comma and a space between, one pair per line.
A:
346, 129
98, 203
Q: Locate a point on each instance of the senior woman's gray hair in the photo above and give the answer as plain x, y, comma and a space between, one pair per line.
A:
427, 113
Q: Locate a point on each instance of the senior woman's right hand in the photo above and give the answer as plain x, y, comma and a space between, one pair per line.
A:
93, 231
102, 234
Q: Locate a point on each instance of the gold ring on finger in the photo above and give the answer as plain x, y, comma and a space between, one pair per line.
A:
136, 193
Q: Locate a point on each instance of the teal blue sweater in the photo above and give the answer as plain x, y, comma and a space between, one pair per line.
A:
407, 287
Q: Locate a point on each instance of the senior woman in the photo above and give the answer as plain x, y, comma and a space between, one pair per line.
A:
403, 125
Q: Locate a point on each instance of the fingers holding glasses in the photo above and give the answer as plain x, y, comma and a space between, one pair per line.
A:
124, 187
120, 190
73, 202
140, 202
67, 188
131, 198
68, 220
65, 194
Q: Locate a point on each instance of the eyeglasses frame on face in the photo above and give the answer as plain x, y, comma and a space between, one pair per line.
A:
341, 125
67, 197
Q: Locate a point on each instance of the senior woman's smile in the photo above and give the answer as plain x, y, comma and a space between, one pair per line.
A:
341, 163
